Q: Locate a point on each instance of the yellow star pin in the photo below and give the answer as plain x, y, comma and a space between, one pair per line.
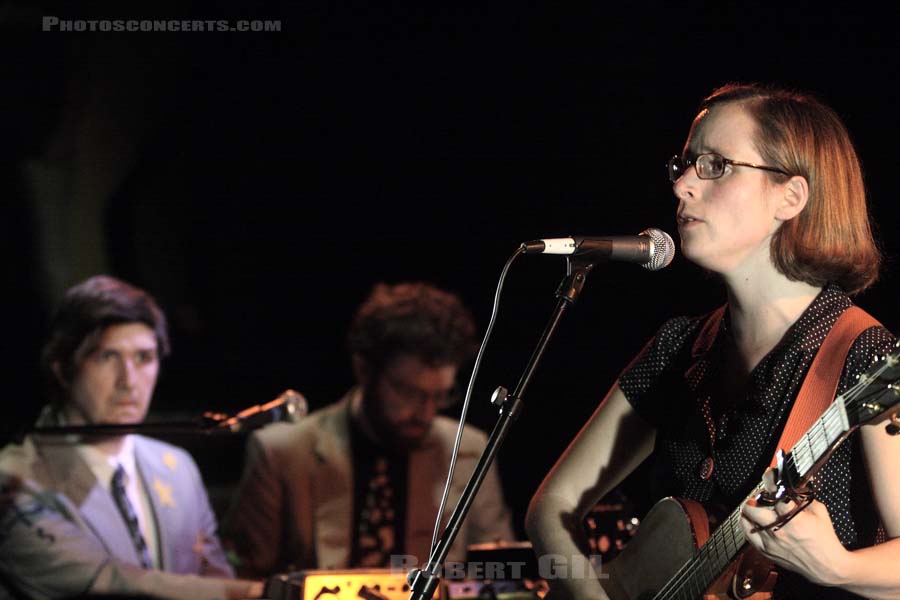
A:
170, 461
164, 493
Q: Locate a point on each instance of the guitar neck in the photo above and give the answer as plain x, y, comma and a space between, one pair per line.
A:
724, 544
817, 444
874, 396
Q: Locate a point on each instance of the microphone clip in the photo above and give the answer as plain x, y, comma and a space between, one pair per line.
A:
577, 268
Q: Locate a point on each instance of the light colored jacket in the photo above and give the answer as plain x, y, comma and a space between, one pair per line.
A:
61, 534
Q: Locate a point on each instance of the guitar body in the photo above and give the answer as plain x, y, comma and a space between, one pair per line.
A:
667, 538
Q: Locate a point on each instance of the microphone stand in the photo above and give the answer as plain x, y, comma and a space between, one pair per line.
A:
203, 425
423, 582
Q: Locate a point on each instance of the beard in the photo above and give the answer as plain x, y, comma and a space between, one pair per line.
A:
397, 435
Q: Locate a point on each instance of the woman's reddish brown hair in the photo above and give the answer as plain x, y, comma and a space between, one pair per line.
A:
831, 239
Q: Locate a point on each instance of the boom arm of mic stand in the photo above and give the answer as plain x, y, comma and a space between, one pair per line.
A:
424, 582
290, 404
204, 425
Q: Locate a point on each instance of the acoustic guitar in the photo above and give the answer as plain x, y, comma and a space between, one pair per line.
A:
673, 555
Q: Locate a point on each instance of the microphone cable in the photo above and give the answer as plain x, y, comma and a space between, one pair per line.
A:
465, 406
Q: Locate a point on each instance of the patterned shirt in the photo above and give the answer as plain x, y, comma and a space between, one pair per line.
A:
672, 383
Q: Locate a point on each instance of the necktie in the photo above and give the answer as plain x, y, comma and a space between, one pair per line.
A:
127, 510
376, 525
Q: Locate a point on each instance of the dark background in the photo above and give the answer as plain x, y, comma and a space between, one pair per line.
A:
260, 183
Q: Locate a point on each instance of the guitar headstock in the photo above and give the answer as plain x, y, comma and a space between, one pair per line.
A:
876, 395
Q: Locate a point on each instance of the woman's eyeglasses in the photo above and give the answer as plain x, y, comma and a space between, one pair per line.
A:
708, 166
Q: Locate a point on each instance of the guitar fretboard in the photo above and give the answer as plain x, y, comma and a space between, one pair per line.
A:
816, 442
716, 554
862, 403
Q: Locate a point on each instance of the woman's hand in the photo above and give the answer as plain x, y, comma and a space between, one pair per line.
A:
807, 544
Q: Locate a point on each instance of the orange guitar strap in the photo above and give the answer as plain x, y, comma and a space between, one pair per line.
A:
753, 575
820, 385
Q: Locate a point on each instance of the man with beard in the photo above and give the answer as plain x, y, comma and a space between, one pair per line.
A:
359, 481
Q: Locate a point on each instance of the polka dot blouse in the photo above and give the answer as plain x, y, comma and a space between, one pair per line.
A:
715, 449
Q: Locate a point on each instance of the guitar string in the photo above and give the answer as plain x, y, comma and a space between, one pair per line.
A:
851, 398
686, 575
729, 526
708, 561
701, 560
714, 556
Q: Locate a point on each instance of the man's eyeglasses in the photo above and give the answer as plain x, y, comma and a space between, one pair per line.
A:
417, 396
708, 166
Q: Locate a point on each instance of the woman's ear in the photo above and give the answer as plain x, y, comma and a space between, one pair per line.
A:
794, 198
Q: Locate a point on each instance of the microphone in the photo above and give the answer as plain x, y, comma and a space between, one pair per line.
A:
290, 406
653, 248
